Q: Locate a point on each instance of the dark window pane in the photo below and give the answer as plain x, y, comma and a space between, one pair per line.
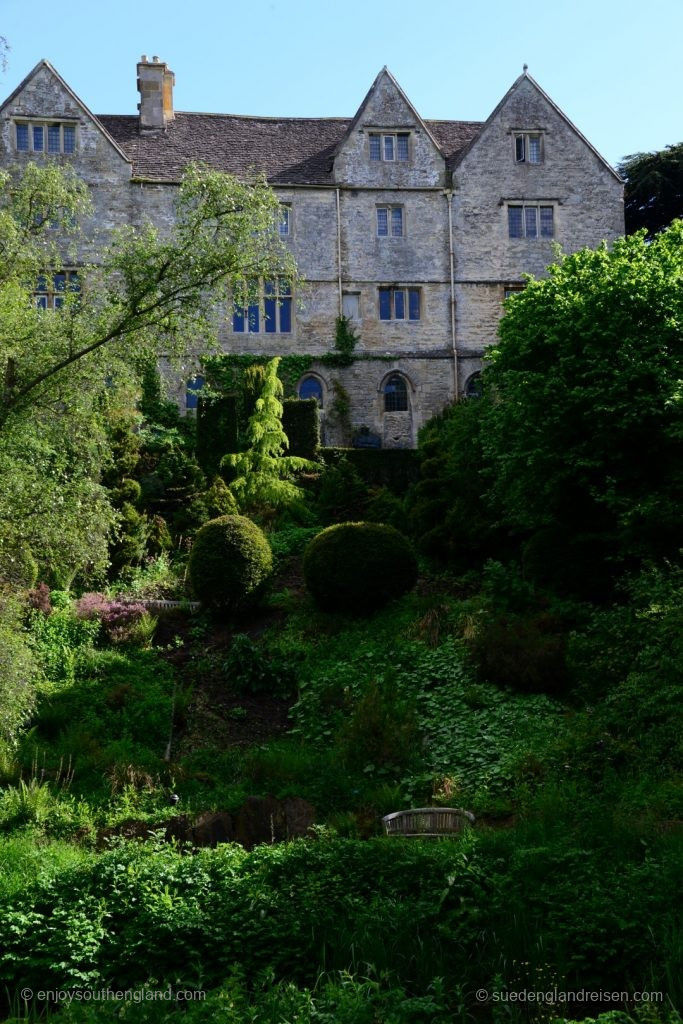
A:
397, 221
74, 281
413, 303
253, 315
191, 396
284, 220
269, 312
69, 138
388, 147
531, 221
238, 319
534, 149
519, 148
285, 316
375, 151
385, 304
473, 386
53, 139
41, 286
382, 221
38, 138
284, 286
269, 288
41, 301
546, 222
402, 147
515, 223
399, 304
311, 387
22, 136
395, 395
60, 282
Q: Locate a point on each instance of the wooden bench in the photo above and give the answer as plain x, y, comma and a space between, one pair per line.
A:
427, 822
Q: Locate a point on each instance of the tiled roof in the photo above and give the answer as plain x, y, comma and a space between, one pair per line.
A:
296, 150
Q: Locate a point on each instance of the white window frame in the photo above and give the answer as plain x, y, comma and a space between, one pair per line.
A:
526, 235
524, 138
389, 210
45, 126
255, 294
393, 137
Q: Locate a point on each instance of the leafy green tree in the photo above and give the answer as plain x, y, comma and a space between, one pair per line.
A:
582, 429
62, 370
654, 189
263, 474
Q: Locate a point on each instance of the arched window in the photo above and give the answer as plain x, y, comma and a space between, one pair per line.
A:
395, 394
473, 386
310, 387
191, 394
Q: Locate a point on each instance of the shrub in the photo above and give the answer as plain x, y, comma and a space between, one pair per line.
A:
357, 567
301, 424
120, 619
229, 562
525, 652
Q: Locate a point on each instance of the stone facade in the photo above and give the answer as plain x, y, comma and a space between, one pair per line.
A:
469, 209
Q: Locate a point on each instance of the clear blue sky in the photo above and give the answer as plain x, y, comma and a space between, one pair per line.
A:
614, 66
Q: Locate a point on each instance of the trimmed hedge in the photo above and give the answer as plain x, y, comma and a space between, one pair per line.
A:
229, 562
301, 424
358, 567
395, 468
216, 431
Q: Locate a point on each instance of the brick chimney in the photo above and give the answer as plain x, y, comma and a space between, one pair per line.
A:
155, 85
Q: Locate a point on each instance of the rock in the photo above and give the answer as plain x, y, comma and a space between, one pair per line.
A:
211, 828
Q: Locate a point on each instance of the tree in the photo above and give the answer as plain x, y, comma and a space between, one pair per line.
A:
583, 416
149, 293
262, 473
654, 189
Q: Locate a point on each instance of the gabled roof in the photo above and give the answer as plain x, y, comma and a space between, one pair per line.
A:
67, 88
385, 73
289, 150
525, 76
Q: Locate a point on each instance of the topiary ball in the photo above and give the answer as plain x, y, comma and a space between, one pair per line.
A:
229, 562
358, 567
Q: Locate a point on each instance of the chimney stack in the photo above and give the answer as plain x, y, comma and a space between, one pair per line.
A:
155, 85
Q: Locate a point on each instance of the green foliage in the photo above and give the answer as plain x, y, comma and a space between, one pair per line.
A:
345, 341
19, 672
395, 468
343, 495
262, 473
217, 431
584, 427
385, 507
358, 567
301, 424
148, 292
654, 189
447, 509
249, 669
229, 562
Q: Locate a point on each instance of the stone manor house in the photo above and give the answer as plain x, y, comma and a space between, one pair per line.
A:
416, 230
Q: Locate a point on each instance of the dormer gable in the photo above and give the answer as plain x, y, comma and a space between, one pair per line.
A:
388, 144
43, 117
531, 121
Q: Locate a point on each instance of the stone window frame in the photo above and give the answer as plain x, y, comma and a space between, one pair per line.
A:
49, 294
408, 292
390, 209
378, 151
472, 387
321, 384
538, 234
386, 396
45, 124
255, 311
522, 149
